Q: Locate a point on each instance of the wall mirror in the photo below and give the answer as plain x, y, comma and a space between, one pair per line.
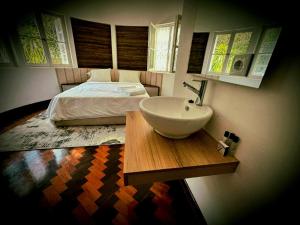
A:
231, 46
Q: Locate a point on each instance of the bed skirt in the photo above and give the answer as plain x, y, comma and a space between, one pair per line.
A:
92, 121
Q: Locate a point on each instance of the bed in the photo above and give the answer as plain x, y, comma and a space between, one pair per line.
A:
103, 102
96, 103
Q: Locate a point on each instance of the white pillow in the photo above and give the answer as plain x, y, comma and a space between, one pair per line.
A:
99, 75
129, 76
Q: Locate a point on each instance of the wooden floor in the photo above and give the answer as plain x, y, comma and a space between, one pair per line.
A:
85, 185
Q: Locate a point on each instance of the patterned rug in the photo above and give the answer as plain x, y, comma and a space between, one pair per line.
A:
86, 186
39, 133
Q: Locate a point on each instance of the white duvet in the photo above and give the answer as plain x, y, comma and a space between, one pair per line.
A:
96, 99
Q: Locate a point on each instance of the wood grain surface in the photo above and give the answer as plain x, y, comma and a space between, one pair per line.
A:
151, 157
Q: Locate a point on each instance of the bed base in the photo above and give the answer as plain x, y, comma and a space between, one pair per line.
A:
92, 122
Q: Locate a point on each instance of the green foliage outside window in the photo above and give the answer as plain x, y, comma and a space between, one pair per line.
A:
55, 38
219, 53
32, 41
240, 46
33, 50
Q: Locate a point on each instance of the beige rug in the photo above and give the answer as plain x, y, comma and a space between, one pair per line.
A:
39, 133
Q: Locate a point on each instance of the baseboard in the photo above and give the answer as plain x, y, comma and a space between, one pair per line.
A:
9, 116
196, 207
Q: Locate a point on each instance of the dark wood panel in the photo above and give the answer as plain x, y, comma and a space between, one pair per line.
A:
132, 47
92, 43
197, 52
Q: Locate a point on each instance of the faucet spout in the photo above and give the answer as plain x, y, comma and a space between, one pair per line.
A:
199, 93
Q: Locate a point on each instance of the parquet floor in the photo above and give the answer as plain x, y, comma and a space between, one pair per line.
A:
86, 186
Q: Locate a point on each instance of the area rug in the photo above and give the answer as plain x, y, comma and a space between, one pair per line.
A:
39, 133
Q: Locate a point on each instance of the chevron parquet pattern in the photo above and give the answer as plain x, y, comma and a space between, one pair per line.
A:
86, 186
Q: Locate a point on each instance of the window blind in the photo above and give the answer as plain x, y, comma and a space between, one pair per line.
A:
132, 47
197, 53
92, 44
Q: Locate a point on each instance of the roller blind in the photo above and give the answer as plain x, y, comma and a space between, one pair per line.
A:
132, 47
92, 43
197, 53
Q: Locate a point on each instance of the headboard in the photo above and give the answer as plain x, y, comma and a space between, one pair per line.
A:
79, 75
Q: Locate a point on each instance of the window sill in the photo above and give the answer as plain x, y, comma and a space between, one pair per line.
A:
250, 81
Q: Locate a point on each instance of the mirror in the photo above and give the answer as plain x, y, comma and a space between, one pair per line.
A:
230, 44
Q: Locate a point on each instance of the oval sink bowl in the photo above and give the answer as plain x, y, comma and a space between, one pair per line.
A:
174, 117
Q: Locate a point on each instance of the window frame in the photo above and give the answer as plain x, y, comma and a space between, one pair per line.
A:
172, 45
176, 37
257, 53
43, 38
253, 45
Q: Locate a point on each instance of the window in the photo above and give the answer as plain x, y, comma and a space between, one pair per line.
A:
5, 53
264, 52
227, 46
163, 46
233, 52
43, 40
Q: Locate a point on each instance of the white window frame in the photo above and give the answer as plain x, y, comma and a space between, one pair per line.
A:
256, 32
172, 45
40, 26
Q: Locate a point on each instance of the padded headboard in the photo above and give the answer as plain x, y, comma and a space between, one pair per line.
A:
78, 75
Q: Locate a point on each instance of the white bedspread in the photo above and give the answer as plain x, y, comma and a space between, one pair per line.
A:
96, 99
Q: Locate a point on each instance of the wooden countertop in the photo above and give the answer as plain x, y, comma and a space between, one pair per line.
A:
150, 157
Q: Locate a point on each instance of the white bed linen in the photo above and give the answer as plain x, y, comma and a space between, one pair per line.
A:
96, 99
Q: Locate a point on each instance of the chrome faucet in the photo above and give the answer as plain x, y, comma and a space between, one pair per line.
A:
199, 93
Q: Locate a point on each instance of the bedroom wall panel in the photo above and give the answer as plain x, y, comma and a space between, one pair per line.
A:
159, 82
114, 75
153, 79
61, 76
83, 74
70, 76
148, 77
77, 76
143, 77
159, 79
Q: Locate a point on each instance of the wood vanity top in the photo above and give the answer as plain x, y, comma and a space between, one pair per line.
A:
150, 157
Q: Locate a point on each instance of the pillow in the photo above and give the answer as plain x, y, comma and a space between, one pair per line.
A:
129, 76
99, 75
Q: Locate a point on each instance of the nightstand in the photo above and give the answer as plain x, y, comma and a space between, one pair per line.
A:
65, 87
152, 90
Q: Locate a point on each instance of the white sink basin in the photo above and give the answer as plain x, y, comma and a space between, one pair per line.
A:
174, 117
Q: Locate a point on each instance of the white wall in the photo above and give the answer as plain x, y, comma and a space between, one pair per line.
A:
267, 120
185, 40
22, 86
168, 84
25, 85
120, 12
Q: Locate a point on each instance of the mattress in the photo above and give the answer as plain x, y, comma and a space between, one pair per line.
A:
95, 100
